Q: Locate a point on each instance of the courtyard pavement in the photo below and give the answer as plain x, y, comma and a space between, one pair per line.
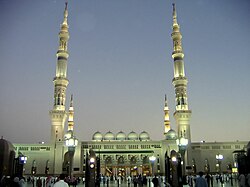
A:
113, 184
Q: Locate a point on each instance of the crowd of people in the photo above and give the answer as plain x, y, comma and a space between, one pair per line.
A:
200, 180
49, 181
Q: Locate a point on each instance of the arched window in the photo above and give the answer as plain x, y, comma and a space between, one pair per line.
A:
145, 160
108, 160
121, 160
133, 160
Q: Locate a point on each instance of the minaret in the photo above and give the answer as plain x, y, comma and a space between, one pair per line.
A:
166, 117
58, 114
182, 114
70, 133
71, 115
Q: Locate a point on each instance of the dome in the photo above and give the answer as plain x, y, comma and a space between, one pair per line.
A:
144, 136
132, 136
120, 136
109, 136
6, 146
7, 156
97, 136
171, 135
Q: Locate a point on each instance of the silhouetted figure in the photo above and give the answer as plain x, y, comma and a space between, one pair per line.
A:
200, 181
242, 180
15, 182
39, 182
208, 179
248, 179
155, 181
61, 182
135, 181
212, 181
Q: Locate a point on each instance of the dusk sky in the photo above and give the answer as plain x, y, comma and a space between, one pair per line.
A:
120, 66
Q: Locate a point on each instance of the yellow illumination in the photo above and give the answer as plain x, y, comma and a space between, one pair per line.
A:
235, 170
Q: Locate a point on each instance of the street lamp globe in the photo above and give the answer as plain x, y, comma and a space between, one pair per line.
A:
92, 162
219, 156
92, 159
182, 142
152, 158
23, 159
174, 159
71, 142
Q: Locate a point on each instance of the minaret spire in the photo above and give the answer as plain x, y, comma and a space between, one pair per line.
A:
58, 114
174, 16
69, 136
65, 21
166, 117
71, 115
182, 113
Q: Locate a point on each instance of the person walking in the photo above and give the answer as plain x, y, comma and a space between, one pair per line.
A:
39, 182
21, 183
15, 182
207, 177
61, 182
48, 182
200, 181
248, 179
129, 179
155, 181
242, 180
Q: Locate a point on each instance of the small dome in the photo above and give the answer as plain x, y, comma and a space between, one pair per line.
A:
132, 136
144, 136
97, 136
171, 135
109, 136
120, 136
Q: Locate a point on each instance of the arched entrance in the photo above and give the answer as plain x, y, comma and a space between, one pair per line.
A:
133, 166
121, 170
66, 163
145, 166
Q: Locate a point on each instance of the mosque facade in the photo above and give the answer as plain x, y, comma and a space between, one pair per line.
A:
120, 153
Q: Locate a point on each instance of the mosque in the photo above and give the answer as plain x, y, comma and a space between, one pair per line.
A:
120, 153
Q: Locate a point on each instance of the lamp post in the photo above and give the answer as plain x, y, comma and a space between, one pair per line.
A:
174, 174
91, 169
182, 144
152, 161
71, 143
23, 160
219, 158
167, 168
19, 163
